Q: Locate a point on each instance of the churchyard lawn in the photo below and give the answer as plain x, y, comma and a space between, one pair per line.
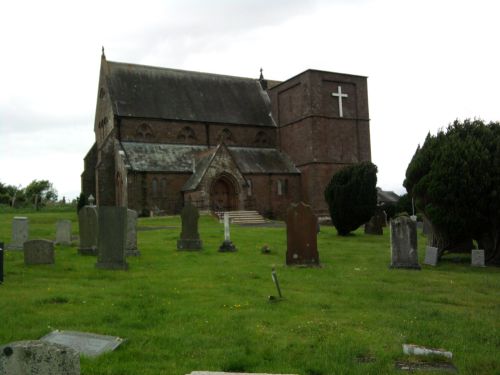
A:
185, 311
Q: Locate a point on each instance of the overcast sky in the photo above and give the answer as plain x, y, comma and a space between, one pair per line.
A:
428, 62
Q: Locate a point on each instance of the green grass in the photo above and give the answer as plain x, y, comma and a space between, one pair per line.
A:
185, 311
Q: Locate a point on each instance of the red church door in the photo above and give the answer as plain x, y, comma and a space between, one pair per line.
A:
222, 195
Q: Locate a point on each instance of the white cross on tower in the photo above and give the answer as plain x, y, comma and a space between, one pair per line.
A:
340, 96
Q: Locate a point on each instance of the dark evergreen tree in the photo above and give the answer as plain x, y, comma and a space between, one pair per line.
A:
455, 181
352, 196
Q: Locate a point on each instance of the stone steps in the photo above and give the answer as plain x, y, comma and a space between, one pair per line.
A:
242, 217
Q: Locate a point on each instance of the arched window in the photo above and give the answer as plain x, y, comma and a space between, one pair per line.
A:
280, 187
226, 136
261, 139
144, 131
249, 188
154, 187
186, 134
163, 187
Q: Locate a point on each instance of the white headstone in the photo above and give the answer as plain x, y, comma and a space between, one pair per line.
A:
431, 256
63, 232
19, 233
227, 235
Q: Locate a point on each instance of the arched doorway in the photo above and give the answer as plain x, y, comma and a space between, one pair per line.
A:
223, 196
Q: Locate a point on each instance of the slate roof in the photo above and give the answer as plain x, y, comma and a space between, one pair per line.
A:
152, 92
262, 160
387, 196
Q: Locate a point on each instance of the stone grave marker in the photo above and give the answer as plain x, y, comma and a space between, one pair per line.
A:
1, 262
63, 232
427, 226
88, 344
227, 245
39, 252
477, 258
412, 349
131, 246
404, 243
190, 238
301, 234
431, 256
111, 237
88, 224
37, 357
19, 233
374, 226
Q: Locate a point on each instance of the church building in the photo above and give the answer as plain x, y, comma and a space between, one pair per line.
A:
164, 136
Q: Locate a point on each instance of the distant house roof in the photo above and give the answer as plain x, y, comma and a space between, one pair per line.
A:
152, 92
387, 196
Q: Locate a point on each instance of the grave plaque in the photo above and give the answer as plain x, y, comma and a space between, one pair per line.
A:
88, 344
63, 232
477, 258
112, 237
87, 222
19, 233
301, 232
39, 252
131, 247
190, 238
37, 357
404, 243
431, 256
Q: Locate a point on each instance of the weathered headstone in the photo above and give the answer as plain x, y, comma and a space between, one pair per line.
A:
38, 358
374, 226
1, 262
477, 258
131, 246
112, 237
301, 235
227, 245
404, 243
431, 256
88, 224
63, 232
39, 252
19, 233
427, 226
88, 344
190, 238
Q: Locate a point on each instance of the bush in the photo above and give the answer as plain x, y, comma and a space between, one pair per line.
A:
352, 196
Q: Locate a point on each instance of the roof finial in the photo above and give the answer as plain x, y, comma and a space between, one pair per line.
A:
103, 55
261, 75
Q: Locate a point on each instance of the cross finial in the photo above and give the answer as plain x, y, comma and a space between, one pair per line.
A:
261, 75
103, 55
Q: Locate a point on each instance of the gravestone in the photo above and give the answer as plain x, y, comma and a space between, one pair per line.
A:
88, 344
231, 373
111, 237
374, 226
227, 245
131, 246
38, 358
477, 258
301, 235
404, 243
427, 226
87, 222
19, 233
39, 252
431, 256
190, 238
63, 232
1, 262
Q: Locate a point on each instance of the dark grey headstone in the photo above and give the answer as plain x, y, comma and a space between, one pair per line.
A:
19, 233
112, 237
190, 238
404, 243
63, 232
39, 252
374, 226
427, 226
88, 224
131, 246
301, 233
431, 256
38, 358
477, 258
88, 344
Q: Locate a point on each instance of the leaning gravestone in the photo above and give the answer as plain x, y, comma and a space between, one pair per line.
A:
374, 226
19, 233
39, 252
112, 237
131, 246
190, 238
88, 344
301, 232
87, 222
38, 358
63, 232
431, 256
477, 258
404, 243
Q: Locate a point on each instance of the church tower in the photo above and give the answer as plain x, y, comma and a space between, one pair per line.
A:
323, 125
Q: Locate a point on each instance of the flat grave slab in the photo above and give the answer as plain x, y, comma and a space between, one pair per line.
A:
88, 344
